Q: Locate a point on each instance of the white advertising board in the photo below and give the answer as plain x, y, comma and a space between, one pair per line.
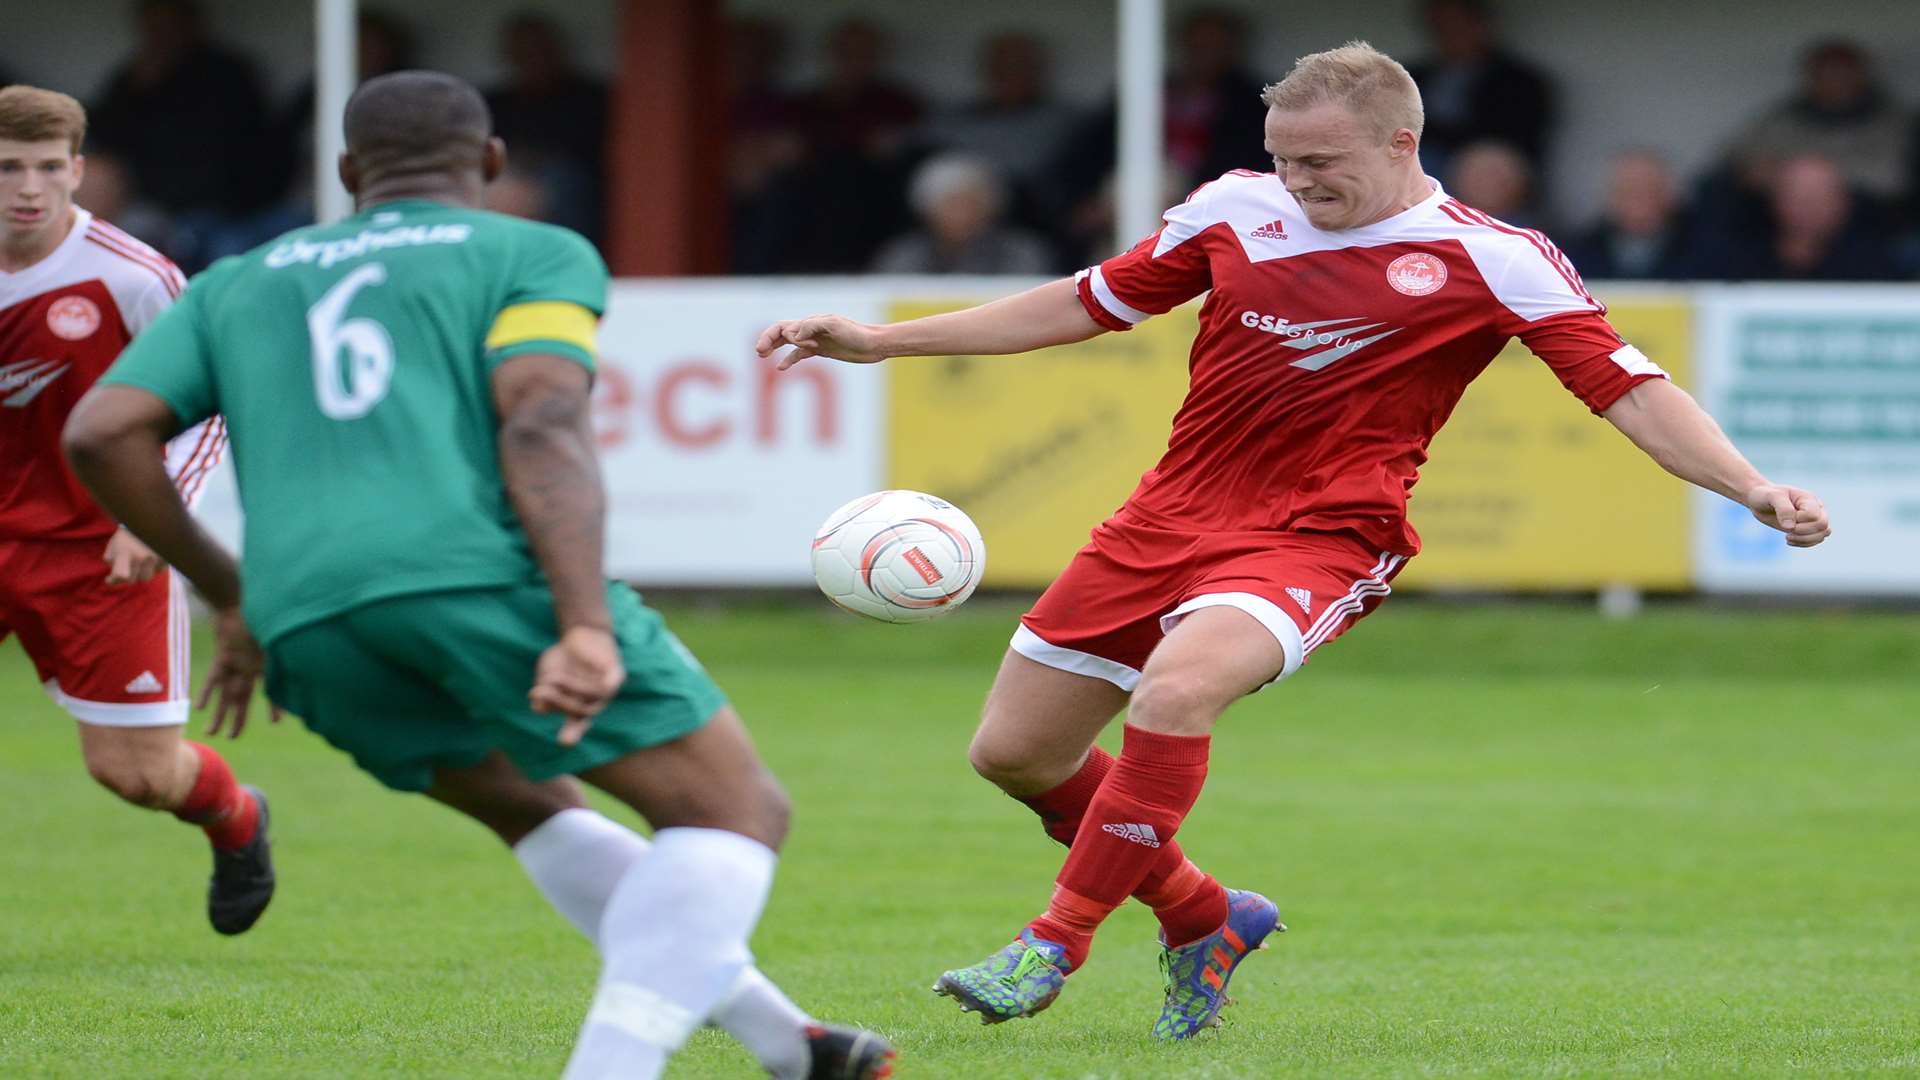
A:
717, 467
1820, 387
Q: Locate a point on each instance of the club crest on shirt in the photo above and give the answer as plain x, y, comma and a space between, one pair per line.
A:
73, 318
1417, 273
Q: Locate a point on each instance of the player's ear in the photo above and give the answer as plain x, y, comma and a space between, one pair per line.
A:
493, 159
1404, 143
349, 171
79, 169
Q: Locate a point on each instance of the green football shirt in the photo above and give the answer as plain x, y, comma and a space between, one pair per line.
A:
352, 364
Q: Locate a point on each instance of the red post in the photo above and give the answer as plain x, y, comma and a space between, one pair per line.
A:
666, 154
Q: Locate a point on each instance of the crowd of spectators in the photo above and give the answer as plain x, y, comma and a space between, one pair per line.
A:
859, 170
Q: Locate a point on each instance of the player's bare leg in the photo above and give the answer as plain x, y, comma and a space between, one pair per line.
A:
1038, 725
152, 767
1210, 660
1036, 742
158, 768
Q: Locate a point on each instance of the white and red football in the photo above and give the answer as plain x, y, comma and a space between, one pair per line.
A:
898, 556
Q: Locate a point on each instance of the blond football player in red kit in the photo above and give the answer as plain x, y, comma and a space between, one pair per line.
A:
1349, 303
102, 619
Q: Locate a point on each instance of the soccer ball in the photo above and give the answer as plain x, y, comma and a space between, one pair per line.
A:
898, 556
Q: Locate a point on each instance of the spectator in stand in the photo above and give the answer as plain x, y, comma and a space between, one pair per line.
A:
1213, 120
1473, 89
960, 201
766, 151
1213, 115
384, 44
1014, 121
553, 117
1642, 233
858, 107
1213, 110
188, 117
1841, 113
857, 122
1494, 178
108, 190
519, 193
1816, 230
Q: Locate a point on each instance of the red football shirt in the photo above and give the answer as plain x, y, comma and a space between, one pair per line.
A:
1326, 361
63, 322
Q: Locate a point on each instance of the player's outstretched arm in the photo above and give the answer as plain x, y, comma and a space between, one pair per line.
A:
1049, 314
1675, 431
553, 480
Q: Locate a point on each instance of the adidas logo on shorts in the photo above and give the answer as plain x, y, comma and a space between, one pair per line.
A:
1139, 834
145, 684
1301, 597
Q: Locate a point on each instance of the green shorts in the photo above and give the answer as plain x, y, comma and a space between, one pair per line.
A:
414, 683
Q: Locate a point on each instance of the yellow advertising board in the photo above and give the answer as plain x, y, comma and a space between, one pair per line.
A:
1040, 448
1525, 488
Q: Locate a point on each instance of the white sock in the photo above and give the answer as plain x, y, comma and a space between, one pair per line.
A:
575, 859
675, 938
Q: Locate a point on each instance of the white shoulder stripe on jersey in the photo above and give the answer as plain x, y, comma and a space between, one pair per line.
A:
1634, 362
1115, 306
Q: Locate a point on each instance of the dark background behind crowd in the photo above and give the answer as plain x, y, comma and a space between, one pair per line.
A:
858, 169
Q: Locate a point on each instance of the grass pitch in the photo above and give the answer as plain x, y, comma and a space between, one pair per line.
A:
1511, 841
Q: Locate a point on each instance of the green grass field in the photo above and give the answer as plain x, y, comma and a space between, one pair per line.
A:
1510, 840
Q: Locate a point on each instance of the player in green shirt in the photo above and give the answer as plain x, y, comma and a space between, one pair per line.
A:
406, 393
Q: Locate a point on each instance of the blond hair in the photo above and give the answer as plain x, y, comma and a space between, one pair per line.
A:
1364, 79
30, 114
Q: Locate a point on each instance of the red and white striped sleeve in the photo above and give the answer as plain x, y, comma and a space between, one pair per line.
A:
1546, 305
193, 453
152, 287
1156, 275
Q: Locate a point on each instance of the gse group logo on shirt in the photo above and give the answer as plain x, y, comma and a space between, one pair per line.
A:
1324, 341
23, 380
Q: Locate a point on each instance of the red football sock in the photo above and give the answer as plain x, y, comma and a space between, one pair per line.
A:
1189, 903
217, 803
1138, 808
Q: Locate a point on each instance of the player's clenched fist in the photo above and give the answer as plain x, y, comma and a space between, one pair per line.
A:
1794, 511
576, 677
130, 561
833, 336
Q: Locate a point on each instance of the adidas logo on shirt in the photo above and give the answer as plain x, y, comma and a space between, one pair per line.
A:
1273, 230
1139, 834
145, 684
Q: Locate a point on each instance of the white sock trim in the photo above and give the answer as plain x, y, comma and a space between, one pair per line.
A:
643, 1014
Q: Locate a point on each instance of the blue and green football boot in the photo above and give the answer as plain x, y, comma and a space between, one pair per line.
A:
1196, 973
1019, 980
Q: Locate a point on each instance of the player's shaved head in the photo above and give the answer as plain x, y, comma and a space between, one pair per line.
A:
416, 122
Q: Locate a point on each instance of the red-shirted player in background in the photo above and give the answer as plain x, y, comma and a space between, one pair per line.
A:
103, 619
1351, 303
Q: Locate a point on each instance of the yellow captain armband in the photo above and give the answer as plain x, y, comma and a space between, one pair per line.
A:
544, 320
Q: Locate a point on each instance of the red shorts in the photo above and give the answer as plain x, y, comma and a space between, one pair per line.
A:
110, 654
1128, 588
